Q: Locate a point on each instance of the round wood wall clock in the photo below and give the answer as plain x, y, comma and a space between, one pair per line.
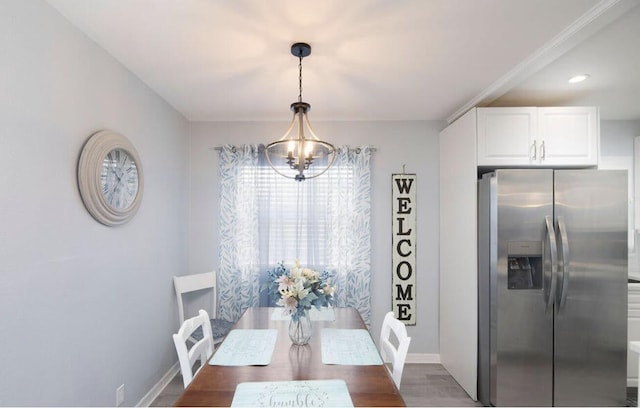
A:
110, 178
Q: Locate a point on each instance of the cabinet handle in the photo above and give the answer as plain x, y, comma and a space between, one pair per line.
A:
533, 151
543, 151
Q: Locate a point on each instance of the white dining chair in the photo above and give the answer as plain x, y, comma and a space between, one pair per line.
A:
201, 350
390, 353
200, 282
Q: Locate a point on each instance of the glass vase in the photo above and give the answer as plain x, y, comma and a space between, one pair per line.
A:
300, 329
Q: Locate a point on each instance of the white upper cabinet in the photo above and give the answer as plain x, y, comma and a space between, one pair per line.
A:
506, 136
529, 136
569, 135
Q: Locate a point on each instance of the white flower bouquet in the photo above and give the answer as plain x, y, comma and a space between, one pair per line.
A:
299, 289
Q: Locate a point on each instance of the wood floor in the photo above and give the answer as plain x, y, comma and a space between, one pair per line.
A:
423, 385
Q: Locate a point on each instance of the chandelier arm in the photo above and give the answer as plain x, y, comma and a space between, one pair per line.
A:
293, 121
333, 158
313, 134
271, 163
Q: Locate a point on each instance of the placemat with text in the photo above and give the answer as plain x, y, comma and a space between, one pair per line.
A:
316, 393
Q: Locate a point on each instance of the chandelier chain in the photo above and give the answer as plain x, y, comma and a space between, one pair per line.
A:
300, 77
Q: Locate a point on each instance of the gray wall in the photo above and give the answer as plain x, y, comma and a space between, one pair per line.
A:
84, 307
414, 144
616, 137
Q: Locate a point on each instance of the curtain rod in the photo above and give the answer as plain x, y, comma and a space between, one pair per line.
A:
219, 148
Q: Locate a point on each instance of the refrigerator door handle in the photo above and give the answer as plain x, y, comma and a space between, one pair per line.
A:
564, 249
553, 254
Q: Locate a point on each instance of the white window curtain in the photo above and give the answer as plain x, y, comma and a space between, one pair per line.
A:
266, 219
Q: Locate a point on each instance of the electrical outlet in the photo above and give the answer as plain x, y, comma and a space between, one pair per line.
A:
120, 395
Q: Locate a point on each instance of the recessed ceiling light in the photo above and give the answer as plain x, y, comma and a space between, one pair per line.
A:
578, 78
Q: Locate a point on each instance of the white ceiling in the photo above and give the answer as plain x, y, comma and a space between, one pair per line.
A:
221, 60
612, 59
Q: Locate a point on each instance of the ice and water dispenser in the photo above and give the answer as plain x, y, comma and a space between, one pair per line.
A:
524, 265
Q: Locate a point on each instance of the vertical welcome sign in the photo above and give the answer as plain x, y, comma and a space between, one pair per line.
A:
404, 247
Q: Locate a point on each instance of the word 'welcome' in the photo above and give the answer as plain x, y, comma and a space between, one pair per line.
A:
404, 247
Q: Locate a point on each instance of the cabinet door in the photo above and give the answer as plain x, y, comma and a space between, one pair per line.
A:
568, 136
506, 136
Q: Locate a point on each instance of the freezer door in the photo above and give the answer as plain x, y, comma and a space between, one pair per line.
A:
591, 301
521, 321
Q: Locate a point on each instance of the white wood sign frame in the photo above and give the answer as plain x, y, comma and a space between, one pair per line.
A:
403, 221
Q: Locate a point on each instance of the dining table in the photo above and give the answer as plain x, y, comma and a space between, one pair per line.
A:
367, 383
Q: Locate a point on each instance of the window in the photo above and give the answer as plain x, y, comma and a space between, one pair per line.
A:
266, 219
293, 217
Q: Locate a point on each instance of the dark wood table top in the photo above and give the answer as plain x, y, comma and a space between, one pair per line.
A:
368, 385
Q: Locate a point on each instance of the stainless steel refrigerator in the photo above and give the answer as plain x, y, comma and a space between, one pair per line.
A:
552, 288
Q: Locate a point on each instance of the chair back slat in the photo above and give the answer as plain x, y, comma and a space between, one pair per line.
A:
201, 350
390, 353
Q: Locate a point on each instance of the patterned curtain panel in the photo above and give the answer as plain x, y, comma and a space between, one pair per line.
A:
238, 270
266, 219
349, 229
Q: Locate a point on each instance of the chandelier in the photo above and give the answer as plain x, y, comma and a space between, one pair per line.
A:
295, 155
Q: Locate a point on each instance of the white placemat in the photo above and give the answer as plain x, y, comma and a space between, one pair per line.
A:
317, 393
246, 347
325, 314
348, 347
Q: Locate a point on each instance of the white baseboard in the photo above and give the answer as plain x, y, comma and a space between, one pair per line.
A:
157, 389
422, 358
632, 382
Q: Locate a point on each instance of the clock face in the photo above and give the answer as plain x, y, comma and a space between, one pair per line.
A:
119, 179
